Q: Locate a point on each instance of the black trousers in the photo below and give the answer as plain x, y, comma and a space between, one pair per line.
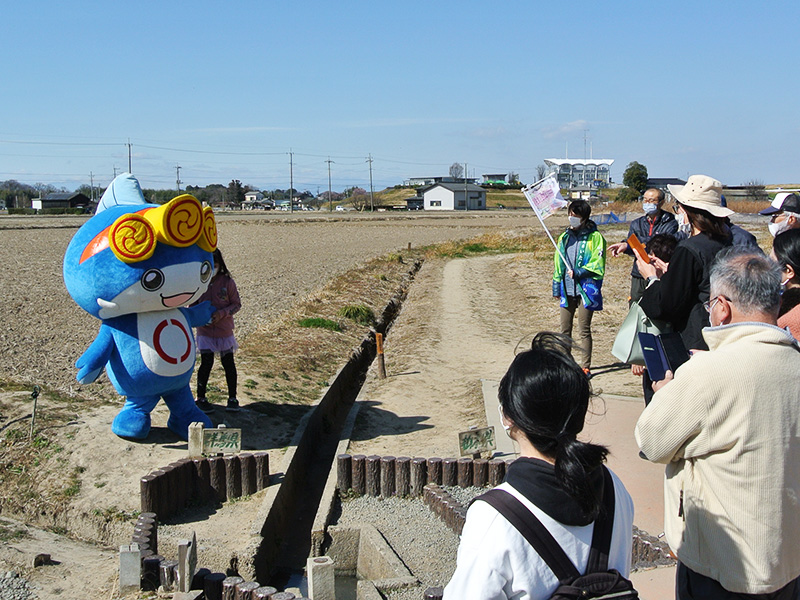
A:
690, 585
204, 370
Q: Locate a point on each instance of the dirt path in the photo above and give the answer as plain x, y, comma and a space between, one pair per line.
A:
463, 322
455, 329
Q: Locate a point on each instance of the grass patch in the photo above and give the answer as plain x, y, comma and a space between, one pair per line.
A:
360, 313
319, 323
491, 243
395, 257
10, 532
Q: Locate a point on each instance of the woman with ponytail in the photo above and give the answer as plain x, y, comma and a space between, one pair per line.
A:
544, 397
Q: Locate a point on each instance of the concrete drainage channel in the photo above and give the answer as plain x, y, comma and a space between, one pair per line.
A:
290, 525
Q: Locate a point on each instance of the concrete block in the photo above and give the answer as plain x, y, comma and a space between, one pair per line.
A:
321, 581
195, 440
130, 568
187, 563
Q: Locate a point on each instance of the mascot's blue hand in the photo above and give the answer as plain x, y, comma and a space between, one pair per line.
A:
200, 314
91, 362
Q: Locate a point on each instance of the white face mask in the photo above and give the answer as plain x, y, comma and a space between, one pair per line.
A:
649, 208
502, 418
777, 228
574, 222
683, 224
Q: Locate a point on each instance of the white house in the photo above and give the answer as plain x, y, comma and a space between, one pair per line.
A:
576, 173
253, 197
454, 196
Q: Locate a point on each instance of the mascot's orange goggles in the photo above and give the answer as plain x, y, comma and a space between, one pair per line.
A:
180, 222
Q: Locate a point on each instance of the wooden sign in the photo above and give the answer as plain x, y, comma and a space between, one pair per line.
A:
204, 442
475, 441
222, 441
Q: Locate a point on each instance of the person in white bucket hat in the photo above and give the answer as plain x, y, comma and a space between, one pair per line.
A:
679, 295
701, 192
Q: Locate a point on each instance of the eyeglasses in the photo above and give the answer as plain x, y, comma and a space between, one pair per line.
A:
676, 208
709, 304
777, 216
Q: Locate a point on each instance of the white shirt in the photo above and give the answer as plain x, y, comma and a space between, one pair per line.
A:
495, 562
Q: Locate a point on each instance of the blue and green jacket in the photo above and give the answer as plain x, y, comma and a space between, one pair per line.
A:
589, 268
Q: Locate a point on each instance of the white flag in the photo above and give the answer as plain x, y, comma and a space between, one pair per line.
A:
544, 196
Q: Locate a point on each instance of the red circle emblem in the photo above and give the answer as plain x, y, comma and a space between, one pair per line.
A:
157, 341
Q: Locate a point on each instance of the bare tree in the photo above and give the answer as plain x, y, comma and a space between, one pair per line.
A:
755, 190
456, 170
359, 199
541, 172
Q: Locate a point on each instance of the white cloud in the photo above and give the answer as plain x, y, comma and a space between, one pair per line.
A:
565, 129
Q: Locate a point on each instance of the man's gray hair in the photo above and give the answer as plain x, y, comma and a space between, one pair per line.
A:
751, 281
661, 195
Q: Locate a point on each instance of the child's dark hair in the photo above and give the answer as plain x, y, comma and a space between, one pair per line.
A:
662, 245
786, 247
223, 268
546, 394
580, 208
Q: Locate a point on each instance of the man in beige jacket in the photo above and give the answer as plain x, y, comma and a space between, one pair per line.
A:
728, 428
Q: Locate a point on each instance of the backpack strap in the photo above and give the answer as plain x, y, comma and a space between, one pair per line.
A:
603, 527
543, 541
532, 530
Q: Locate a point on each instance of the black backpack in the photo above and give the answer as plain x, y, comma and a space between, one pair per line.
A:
599, 581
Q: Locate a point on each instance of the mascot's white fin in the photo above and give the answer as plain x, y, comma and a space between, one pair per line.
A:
123, 190
107, 309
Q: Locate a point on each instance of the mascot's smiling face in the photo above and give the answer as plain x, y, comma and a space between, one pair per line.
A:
141, 258
160, 284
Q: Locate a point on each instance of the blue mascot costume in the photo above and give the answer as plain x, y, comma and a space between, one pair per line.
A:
136, 267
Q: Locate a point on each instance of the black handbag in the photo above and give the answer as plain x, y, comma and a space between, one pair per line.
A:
599, 581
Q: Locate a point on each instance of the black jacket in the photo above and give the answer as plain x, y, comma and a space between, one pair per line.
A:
665, 223
678, 297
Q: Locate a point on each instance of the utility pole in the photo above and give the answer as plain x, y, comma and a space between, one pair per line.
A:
178, 181
466, 191
291, 182
330, 199
115, 171
371, 198
130, 170
91, 186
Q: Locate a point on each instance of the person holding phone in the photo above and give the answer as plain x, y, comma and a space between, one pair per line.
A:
678, 296
726, 429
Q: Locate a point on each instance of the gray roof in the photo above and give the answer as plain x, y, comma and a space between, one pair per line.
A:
456, 187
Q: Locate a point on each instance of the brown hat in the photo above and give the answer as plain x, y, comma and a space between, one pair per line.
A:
703, 193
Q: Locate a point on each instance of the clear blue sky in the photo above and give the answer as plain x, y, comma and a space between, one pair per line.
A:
227, 89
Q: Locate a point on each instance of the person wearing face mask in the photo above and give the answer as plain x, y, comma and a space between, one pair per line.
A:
558, 478
578, 281
678, 296
784, 213
786, 252
654, 222
217, 336
726, 429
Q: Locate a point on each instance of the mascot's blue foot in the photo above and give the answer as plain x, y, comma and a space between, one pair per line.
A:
179, 421
131, 423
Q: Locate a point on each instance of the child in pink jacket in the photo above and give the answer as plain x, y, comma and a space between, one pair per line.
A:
217, 336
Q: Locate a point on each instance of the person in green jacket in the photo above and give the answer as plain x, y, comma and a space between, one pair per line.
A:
580, 266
